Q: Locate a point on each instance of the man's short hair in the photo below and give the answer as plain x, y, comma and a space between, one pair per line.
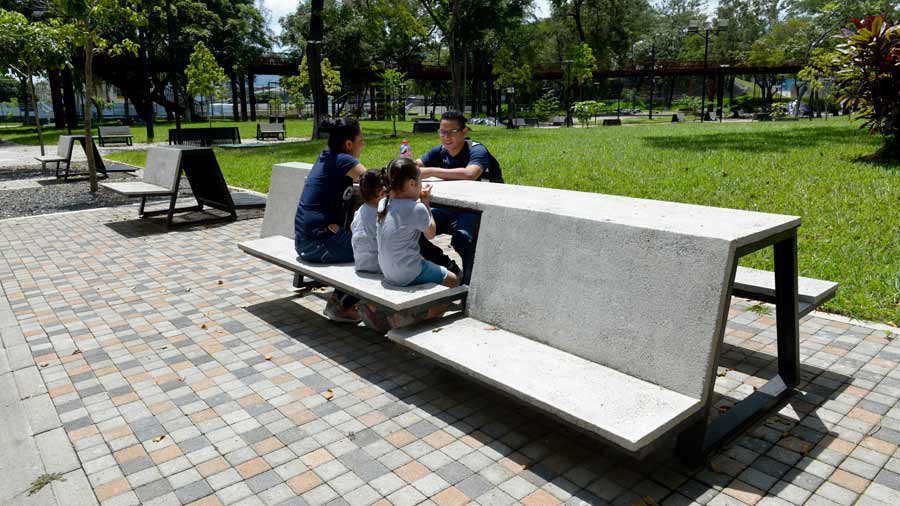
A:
457, 116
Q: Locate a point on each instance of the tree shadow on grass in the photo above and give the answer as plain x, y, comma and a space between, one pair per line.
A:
770, 141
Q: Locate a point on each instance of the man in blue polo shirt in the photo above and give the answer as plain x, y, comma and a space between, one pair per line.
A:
454, 159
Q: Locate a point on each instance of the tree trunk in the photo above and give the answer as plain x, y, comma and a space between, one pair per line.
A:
314, 62
56, 98
251, 82
457, 72
576, 13
88, 86
37, 113
25, 100
69, 99
234, 98
243, 98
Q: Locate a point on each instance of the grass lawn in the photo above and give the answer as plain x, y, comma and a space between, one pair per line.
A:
850, 208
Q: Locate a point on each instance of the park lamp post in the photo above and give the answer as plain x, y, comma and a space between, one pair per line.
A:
567, 76
509, 106
694, 27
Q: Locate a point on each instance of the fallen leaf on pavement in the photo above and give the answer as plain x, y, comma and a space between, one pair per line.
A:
157, 439
437, 329
328, 394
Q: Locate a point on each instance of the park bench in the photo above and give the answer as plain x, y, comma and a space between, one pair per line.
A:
276, 245
268, 130
710, 116
106, 134
677, 117
612, 322
162, 178
205, 136
612, 122
558, 120
519, 123
426, 126
64, 154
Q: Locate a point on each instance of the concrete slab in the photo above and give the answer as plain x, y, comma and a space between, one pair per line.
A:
15, 439
29, 382
813, 291
285, 187
19, 357
630, 412
280, 251
41, 413
56, 451
76, 489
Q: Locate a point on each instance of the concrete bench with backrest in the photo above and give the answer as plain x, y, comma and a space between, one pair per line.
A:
63, 154
205, 136
519, 123
276, 245
267, 130
107, 134
609, 313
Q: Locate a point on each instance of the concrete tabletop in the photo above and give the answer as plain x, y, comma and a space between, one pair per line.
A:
734, 225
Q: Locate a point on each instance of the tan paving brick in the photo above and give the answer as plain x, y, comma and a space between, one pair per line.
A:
253, 467
849, 481
112, 489
452, 496
304, 482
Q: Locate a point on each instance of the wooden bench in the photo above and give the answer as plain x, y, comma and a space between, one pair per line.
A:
270, 130
276, 246
162, 178
205, 136
106, 134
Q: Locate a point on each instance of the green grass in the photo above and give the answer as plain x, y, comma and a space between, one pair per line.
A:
295, 128
850, 207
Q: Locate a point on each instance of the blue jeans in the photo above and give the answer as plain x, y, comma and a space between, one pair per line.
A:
334, 249
460, 225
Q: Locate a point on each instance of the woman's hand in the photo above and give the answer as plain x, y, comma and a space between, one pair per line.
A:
334, 228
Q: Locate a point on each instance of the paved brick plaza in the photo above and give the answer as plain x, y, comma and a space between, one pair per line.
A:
164, 367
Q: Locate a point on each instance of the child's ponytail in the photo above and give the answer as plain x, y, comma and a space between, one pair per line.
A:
386, 183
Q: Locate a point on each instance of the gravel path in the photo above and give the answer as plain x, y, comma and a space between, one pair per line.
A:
51, 196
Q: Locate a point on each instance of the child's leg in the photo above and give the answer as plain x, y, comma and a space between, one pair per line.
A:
433, 273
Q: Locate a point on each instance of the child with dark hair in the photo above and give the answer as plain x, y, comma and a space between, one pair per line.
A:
364, 239
402, 219
319, 236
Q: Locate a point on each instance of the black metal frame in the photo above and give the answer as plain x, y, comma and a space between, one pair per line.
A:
703, 437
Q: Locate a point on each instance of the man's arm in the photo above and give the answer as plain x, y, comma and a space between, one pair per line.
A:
469, 172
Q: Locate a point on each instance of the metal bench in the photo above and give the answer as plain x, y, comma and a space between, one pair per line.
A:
107, 134
276, 246
162, 178
269, 130
205, 136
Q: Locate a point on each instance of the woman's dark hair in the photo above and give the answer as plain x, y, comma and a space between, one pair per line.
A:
456, 116
340, 130
369, 184
394, 178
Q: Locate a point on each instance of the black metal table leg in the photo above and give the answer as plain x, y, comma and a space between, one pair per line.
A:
786, 310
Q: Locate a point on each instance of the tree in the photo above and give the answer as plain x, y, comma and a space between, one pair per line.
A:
205, 76
28, 48
868, 78
507, 74
393, 81
87, 21
587, 110
578, 69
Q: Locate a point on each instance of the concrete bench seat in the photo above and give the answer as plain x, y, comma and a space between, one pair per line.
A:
266, 130
758, 284
615, 406
107, 134
280, 251
137, 189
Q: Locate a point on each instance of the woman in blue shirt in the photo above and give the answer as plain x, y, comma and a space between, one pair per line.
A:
319, 236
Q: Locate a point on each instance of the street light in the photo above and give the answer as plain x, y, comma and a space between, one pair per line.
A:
694, 27
509, 105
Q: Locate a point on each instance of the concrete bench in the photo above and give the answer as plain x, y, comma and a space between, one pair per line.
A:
519, 123
205, 136
614, 320
426, 126
106, 134
760, 285
612, 122
63, 154
270, 130
276, 246
677, 117
162, 178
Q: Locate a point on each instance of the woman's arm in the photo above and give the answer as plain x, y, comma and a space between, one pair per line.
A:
356, 171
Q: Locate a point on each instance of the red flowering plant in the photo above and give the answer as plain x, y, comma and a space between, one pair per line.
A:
867, 74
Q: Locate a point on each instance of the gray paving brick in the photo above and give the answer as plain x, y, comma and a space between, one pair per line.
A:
474, 486
153, 490
193, 491
264, 481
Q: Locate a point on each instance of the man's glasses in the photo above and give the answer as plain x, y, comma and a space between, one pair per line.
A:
447, 133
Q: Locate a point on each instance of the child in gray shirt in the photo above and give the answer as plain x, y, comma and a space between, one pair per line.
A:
401, 221
364, 239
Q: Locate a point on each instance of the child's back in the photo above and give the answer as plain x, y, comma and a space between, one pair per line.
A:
364, 239
398, 240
